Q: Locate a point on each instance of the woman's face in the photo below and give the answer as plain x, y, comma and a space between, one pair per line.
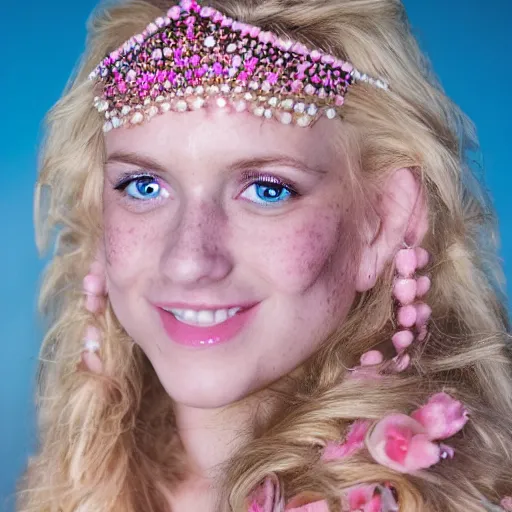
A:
230, 247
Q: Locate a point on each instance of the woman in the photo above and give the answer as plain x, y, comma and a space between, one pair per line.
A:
271, 204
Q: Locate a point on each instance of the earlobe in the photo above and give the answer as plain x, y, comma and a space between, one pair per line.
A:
403, 218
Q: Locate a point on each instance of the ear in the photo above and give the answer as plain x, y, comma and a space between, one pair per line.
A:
403, 218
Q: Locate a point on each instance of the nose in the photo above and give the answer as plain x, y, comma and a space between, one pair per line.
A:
196, 252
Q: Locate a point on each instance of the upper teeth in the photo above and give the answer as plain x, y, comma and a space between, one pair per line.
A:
205, 317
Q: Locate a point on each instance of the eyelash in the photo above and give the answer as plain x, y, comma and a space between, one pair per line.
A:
255, 178
248, 179
127, 179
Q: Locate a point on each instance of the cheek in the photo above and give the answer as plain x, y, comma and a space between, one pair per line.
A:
129, 242
312, 247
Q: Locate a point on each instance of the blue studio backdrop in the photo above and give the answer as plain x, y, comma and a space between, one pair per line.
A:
467, 40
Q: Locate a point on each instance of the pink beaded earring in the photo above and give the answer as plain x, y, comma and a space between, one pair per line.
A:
95, 291
412, 313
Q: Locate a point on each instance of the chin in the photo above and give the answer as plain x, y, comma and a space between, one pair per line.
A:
204, 389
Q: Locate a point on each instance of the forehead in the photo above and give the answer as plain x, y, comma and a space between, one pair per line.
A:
218, 135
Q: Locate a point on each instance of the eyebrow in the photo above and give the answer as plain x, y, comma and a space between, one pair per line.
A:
143, 161
245, 164
256, 162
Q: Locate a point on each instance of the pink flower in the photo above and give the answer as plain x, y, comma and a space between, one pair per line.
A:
272, 78
353, 442
363, 498
405, 443
402, 444
442, 416
267, 497
506, 503
315, 506
370, 498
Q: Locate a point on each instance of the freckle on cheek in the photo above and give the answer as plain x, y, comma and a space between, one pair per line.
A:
118, 243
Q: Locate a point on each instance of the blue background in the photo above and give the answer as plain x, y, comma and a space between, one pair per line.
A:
467, 40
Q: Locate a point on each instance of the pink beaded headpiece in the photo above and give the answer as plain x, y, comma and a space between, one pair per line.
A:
195, 54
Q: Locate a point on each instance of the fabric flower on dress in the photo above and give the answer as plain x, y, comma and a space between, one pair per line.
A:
407, 443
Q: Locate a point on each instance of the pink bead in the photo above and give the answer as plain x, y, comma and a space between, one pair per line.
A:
266, 37
447, 452
90, 359
94, 303
402, 339
299, 48
217, 17
206, 12
92, 334
174, 12
315, 55
93, 284
157, 54
272, 78
371, 358
96, 268
406, 262
152, 29
328, 59
92, 362
423, 313
422, 335
422, 256
407, 316
187, 4
339, 101
296, 86
402, 362
245, 29
310, 89
423, 286
255, 32
404, 290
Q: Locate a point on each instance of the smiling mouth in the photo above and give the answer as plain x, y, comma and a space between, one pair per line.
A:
204, 327
203, 318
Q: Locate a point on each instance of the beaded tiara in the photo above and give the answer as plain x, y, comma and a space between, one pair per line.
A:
194, 56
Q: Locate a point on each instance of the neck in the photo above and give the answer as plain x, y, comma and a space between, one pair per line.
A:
211, 436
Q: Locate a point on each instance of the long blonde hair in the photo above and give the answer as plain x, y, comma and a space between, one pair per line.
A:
107, 442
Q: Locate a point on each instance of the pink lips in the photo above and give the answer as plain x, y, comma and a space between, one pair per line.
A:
196, 336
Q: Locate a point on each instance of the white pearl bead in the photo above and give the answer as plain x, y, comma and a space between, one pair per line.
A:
286, 118
137, 118
330, 113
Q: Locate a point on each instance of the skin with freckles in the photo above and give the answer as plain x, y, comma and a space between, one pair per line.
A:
204, 232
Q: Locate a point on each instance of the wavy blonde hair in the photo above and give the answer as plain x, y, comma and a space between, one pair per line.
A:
107, 443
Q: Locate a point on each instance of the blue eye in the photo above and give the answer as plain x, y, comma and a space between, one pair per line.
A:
141, 188
263, 192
